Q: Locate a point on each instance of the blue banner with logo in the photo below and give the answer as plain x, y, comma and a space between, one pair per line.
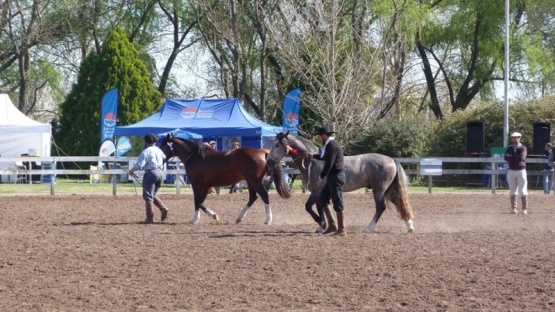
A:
108, 115
123, 146
291, 108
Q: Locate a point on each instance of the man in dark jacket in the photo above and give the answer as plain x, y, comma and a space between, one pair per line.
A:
332, 155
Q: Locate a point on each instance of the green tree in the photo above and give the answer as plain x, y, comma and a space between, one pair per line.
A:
117, 66
465, 41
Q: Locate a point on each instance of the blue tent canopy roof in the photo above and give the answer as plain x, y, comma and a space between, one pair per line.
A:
207, 117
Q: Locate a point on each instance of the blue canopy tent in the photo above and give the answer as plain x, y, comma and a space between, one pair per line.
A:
214, 119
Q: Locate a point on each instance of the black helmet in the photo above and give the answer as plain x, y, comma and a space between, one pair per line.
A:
150, 138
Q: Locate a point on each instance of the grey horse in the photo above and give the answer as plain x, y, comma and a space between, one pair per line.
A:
381, 173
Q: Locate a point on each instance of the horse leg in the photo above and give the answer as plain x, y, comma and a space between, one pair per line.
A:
198, 201
203, 194
243, 212
209, 212
265, 198
380, 208
199, 197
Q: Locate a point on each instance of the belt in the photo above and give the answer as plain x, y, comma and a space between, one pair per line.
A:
150, 170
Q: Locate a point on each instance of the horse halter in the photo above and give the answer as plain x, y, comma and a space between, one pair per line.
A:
170, 145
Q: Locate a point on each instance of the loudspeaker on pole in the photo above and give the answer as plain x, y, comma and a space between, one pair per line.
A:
542, 135
475, 138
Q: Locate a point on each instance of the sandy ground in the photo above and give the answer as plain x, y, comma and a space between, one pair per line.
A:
89, 253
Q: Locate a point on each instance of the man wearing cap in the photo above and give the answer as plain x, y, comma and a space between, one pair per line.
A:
515, 155
152, 161
332, 154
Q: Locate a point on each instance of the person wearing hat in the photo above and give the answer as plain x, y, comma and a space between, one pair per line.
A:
515, 155
152, 161
332, 155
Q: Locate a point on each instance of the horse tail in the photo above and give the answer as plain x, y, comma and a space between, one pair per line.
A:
279, 181
398, 195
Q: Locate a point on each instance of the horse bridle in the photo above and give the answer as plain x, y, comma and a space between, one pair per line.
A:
174, 155
287, 153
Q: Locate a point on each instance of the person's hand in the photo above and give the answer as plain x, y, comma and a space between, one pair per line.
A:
308, 155
320, 182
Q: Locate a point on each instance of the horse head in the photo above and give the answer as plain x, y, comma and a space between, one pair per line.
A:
167, 146
278, 150
173, 146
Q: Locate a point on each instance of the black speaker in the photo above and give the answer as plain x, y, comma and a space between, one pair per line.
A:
475, 137
542, 135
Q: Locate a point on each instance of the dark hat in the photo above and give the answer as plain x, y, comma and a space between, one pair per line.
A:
324, 130
150, 138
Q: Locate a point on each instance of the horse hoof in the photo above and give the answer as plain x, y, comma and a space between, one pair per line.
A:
267, 222
193, 222
238, 221
215, 217
365, 230
411, 230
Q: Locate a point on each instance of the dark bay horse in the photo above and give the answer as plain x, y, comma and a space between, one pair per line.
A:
207, 167
381, 173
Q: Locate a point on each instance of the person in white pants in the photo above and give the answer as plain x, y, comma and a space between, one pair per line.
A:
515, 155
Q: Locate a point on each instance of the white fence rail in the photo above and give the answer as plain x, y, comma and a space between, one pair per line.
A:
11, 169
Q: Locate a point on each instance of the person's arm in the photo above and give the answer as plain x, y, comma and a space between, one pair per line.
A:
330, 156
509, 154
523, 154
317, 155
141, 161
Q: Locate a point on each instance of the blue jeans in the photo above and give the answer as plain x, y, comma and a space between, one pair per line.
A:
547, 181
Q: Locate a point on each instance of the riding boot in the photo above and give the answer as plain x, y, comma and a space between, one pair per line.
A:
332, 226
149, 215
163, 209
513, 204
341, 231
524, 201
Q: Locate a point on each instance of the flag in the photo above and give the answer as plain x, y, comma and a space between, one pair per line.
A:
291, 108
123, 146
108, 116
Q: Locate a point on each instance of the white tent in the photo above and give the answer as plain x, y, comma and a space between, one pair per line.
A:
20, 134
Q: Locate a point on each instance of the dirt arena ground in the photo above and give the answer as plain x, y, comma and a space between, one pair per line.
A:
89, 253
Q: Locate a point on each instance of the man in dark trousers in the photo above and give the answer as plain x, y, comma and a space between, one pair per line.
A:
332, 154
152, 161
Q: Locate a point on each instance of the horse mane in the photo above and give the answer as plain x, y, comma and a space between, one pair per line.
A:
202, 149
301, 143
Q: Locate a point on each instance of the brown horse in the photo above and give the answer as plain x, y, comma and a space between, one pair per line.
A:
207, 167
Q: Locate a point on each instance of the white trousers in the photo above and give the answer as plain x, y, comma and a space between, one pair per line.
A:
518, 183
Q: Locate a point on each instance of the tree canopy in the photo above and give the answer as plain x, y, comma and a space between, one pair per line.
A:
117, 66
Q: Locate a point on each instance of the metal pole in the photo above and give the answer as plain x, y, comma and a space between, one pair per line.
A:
493, 177
506, 80
52, 177
429, 184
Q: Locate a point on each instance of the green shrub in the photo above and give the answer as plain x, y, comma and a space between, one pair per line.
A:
397, 138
